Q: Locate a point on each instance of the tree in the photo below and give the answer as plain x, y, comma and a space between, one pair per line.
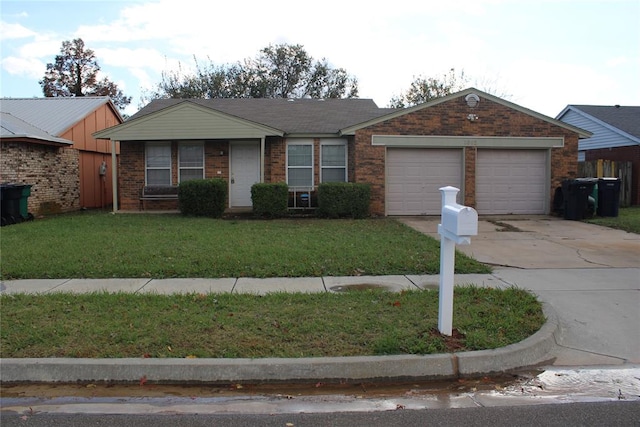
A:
75, 73
280, 71
424, 89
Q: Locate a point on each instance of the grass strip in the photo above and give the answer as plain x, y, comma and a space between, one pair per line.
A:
372, 322
628, 219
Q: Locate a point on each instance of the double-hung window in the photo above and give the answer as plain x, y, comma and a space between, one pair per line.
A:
190, 161
333, 161
300, 164
158, 163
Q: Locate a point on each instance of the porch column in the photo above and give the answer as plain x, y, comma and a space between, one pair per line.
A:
114, 175
262, 159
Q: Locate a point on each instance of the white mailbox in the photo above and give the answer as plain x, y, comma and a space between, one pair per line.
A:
458, 224
460, 220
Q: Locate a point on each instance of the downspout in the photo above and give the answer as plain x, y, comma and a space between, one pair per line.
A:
114, 175
262, 144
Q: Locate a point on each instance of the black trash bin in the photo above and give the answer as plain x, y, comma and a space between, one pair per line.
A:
575, 194
608, 196
11, 195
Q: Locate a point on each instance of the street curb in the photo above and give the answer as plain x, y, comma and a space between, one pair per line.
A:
528, 352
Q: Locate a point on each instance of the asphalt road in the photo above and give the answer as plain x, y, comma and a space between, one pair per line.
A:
563, 415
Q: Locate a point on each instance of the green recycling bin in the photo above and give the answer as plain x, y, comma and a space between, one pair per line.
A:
24, 202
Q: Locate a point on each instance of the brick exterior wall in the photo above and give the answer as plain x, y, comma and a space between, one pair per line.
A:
622, 154
53, 173
450, 119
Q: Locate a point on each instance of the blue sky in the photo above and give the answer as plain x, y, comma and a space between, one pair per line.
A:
542, 54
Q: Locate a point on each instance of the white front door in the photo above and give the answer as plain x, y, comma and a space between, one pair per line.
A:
245, 171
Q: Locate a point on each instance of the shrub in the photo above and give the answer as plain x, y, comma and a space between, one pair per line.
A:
343, 199
203, 197
270, 200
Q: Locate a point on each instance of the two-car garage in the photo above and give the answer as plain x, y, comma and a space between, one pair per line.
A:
507, 180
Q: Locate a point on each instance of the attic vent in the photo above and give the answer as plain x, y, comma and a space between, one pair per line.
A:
472, 100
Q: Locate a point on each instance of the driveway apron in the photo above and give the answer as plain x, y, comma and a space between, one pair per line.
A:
589, 274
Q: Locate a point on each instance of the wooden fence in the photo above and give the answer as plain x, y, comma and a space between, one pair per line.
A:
609, 169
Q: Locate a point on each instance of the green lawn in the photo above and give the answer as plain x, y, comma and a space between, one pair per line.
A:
103, 245
275, 325
628, 219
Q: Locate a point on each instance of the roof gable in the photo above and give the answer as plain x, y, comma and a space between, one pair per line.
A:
622, 120
54, 115
184, 120
401, 112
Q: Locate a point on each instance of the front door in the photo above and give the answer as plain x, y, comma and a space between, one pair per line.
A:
245, 171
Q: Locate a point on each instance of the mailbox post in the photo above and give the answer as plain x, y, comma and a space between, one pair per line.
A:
458, 223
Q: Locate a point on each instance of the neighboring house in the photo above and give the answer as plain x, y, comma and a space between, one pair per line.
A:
506, 159
48, 144
616, 136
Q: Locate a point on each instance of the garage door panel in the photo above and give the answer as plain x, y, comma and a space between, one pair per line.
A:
415, 175
511, 182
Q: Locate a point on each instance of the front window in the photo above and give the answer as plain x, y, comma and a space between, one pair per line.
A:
300, 165
158, 163
333, 159
190, 161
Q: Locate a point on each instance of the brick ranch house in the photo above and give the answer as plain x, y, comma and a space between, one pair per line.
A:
505, 159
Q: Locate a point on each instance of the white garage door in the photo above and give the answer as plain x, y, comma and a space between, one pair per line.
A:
511, 182
415, 175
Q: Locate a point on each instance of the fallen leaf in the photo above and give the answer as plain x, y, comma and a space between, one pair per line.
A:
289, 424
146, 355
169, 348
396, 304
91, 386
143, 380
191, 356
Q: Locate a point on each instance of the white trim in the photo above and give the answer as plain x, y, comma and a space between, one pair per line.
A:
339, 142
305, 141
441, 141
181, 168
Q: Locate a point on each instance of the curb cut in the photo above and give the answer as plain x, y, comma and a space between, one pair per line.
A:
526, 353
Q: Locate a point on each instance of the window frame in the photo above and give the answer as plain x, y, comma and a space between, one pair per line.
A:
310, 167
340, 142
181, 168
147, 168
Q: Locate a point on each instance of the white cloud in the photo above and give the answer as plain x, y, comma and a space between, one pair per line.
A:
24, 67
9, 31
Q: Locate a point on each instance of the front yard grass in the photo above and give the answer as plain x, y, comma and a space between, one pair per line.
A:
103, 245
628, 219
103, 325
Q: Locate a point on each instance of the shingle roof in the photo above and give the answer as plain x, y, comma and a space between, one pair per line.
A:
292, 116
13, 127
625, 118
52, 115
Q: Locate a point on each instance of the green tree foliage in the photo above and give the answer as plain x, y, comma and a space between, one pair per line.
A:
280, 71
75, 73
424, 89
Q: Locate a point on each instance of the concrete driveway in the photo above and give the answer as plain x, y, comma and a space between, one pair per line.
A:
589, 274
543, 242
